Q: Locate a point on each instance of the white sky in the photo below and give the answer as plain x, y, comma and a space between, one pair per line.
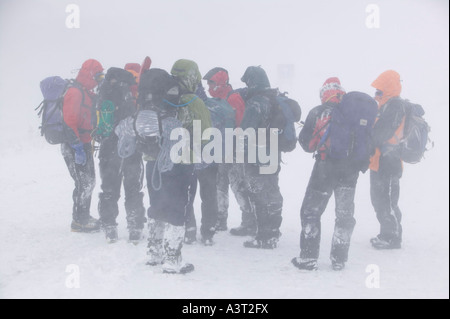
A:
319, 38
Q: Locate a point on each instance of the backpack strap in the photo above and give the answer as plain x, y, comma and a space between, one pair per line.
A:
75, 84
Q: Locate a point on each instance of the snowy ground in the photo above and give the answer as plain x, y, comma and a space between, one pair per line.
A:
37, 249
315, 40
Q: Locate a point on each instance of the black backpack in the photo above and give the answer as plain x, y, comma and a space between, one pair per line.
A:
285, 112
115, 101
415, 139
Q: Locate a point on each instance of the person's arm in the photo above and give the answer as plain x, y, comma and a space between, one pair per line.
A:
388, 122
251, 115
71, 109
238, 104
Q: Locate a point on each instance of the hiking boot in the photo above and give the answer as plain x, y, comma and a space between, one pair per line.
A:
337, 266
243, 231
91, 226
221, 225
383, 244
207, 241
190, 236
172, 243
308, 264
155, 242
135, 236
174, 268
271, 243
111, 233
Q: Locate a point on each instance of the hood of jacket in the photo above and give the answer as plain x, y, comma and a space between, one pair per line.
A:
87, 73
256, 78
218, 83
389, 83
187, 74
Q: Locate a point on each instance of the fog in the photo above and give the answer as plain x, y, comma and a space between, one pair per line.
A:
298, 43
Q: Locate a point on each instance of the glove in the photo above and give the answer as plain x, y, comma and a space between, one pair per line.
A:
80, 154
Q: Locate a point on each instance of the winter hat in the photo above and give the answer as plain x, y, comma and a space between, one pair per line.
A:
218, 82
331, 91
256, 78
389, 83
136, 67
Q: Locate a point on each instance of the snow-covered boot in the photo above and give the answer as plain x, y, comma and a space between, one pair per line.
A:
221, 224
190, 235
309, 264
111, 234
337, 266
248, 225
270, 243
155, 242
173, 242
135, 235
92, 225
381, 243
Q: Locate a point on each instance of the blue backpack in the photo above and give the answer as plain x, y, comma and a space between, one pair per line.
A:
53, 127
350, 130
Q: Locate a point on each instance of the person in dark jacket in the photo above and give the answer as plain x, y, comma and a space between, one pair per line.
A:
77, 109
264, 191
386, 167
326, 178
115, 171
168, 204
231, 174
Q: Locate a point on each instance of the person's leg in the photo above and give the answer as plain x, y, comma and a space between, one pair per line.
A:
133, 172
239, 187
315, 201
84, 178
223, 185
344, 193
208, 193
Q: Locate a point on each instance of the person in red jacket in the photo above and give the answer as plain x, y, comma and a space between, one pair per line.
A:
231, 174
78, 105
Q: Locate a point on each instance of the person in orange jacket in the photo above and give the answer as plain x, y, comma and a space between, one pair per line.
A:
386, 167
78, 105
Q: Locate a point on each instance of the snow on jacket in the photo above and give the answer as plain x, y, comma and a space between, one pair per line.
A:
78, 113
188, 76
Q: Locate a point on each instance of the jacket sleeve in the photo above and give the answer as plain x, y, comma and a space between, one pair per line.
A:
71, 109
389, 121
306, 134
238, 105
